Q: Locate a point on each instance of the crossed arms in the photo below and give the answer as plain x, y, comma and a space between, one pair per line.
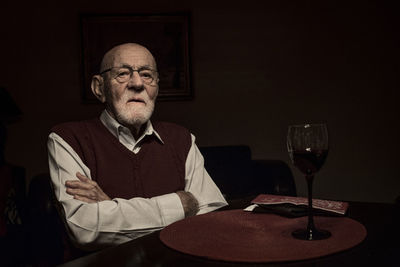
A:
87, 190
96, 221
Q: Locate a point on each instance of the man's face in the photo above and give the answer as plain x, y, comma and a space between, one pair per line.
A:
130, 102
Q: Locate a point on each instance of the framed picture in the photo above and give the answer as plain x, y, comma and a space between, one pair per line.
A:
166, 36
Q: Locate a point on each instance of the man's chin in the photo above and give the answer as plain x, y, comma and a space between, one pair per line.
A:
135, 118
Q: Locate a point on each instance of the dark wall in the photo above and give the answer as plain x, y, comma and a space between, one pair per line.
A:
257, 67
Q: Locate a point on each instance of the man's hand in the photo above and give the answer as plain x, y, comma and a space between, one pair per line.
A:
85, 189
189, 203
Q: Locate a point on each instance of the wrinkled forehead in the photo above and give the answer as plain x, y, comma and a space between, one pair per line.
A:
132, 55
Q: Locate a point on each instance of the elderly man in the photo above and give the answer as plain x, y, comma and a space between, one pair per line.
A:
120, 176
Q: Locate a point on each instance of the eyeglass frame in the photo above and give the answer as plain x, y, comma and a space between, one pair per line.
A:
131, 70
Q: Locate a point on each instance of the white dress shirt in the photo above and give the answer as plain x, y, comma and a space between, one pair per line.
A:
97, 225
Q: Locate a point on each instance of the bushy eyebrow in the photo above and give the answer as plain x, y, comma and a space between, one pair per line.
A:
144, 67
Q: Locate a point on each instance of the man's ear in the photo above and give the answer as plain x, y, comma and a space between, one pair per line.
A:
97, 86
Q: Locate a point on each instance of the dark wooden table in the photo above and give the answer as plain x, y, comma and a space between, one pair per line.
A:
380, 248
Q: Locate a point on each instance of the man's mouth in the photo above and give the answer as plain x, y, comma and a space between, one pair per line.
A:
136, 100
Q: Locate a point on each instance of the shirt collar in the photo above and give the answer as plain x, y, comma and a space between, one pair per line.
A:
116, 128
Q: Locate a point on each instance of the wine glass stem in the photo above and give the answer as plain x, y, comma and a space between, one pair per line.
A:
310, 227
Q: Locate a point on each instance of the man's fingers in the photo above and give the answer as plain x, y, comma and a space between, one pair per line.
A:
82, 177
79, 184
85, 179
81, 193
73, 184
85, 189
189, 203
84, 199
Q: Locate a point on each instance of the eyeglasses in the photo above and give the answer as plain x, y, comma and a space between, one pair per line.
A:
124, 74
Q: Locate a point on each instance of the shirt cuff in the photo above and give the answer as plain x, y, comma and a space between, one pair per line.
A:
171, 208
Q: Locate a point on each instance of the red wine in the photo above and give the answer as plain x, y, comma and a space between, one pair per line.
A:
309, 162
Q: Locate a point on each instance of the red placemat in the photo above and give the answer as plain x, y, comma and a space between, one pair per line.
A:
240, 236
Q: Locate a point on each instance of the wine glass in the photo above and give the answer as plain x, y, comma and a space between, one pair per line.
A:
308, 148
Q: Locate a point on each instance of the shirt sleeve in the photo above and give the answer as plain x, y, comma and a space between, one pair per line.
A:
97, 225
199, 182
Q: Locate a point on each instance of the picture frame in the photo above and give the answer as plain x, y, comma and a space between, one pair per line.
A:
165, 35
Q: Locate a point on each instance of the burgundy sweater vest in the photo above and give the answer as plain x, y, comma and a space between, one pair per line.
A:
158, 168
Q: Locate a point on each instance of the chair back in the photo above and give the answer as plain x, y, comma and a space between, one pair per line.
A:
237, 175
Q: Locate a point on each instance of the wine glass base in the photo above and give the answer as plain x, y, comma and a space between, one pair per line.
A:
311, 234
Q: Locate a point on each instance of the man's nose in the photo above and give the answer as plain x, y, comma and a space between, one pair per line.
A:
135, 82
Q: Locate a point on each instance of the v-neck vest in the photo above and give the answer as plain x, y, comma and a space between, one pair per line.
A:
157, 169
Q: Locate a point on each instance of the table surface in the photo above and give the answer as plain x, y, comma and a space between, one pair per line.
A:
380, 248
